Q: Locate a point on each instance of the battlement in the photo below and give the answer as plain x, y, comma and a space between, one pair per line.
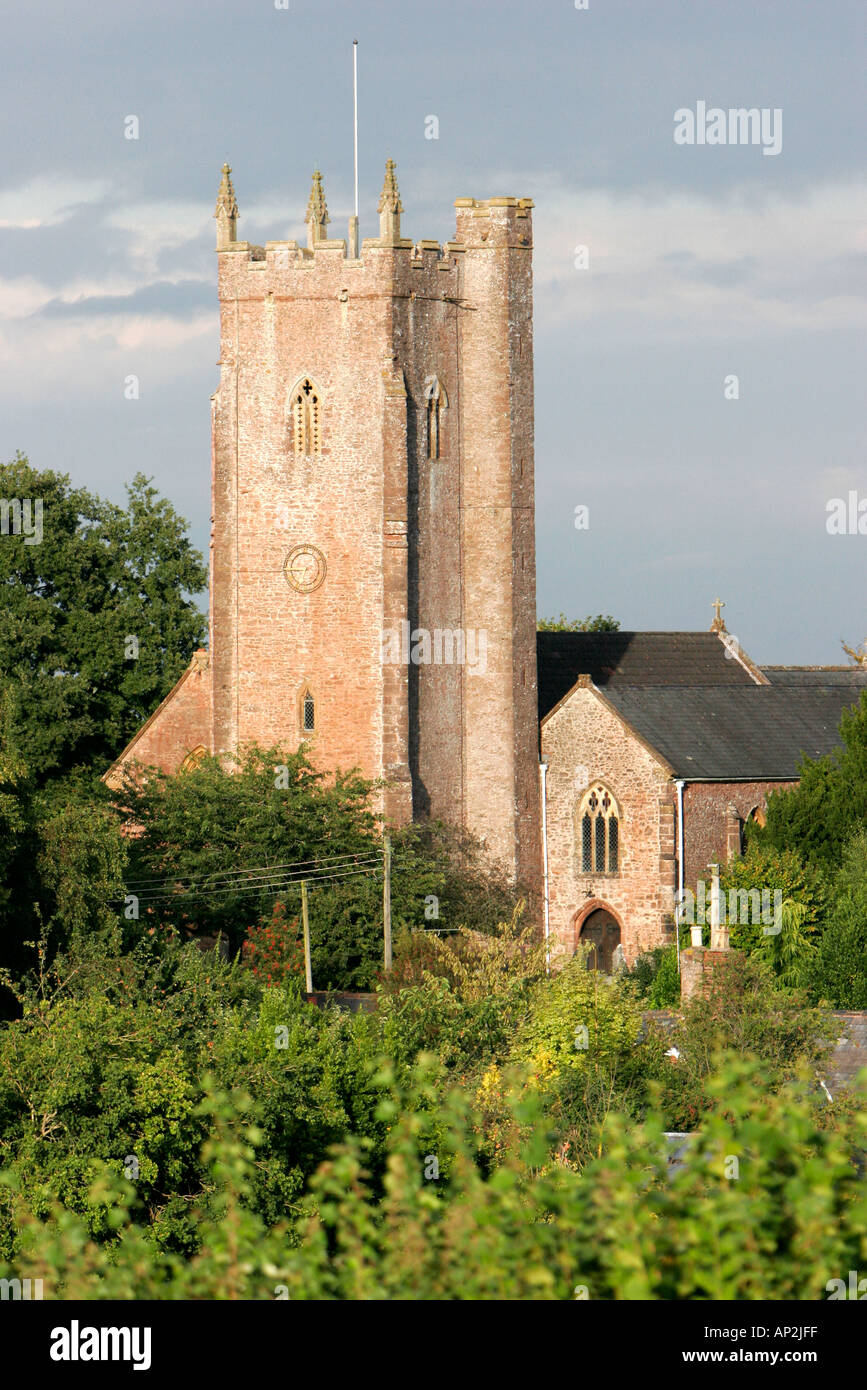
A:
481, 224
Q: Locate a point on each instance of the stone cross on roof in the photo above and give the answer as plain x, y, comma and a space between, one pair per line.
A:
718, 624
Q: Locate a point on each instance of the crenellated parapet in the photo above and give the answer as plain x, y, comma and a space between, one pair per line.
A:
481, 224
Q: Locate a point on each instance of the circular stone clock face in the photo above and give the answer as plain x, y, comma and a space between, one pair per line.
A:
304, 568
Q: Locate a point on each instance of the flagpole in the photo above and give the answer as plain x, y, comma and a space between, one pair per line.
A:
353, 221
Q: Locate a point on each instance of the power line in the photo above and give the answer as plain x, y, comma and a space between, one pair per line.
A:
261, 884
301, 864
244, 876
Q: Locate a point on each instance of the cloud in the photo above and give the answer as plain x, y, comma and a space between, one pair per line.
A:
182, 299
47, 200
686, 263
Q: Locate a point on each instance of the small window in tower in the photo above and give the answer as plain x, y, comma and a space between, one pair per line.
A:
308, 719
306, 419
436, 402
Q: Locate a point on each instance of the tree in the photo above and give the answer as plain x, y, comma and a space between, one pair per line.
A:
216, 846
839, 969
817, 817
98, 620
603, 622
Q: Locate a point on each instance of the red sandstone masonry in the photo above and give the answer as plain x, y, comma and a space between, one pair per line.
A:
177, 727
446, 543
707, 824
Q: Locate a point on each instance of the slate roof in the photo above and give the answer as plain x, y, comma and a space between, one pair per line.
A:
816, 675
719, 733
613, 659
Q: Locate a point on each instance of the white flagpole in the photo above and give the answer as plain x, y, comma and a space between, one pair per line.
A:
353, 221
355, 112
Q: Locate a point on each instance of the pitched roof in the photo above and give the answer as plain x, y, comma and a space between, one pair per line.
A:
736, 733
613, 659
816, 675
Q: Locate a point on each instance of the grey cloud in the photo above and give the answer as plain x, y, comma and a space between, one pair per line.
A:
185, 299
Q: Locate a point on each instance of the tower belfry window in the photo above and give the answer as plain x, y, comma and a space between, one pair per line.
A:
306, 414
436, 402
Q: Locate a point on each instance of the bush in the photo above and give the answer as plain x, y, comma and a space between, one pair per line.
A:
274, 949
577, 1020
624, 1228
838, 973
656, 978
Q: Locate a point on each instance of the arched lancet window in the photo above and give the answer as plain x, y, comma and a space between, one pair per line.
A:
194, 759
598, 831
436, 401
307, 711
306, 418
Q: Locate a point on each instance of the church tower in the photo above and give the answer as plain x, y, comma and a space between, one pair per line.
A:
372, 544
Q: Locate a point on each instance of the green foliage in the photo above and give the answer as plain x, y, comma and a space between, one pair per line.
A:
100, 574
767, 1206
213, 845
462, 997
246, 819
765, 868
281, 1145
603, 622
747, 1014
577, 1018
819, 816
838, 973
791, 949
656, 978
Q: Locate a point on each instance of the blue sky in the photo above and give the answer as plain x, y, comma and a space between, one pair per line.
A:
704, 261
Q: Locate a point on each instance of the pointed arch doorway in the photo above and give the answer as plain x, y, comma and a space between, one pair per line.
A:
599, 929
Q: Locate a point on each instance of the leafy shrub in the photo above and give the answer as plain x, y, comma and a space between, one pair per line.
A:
273, 949
623, 1228
577, 1019
655, 977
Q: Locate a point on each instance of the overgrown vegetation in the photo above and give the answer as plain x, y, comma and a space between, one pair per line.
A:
176, 1121
171, 1128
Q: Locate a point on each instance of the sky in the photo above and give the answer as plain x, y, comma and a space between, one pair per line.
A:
703, 262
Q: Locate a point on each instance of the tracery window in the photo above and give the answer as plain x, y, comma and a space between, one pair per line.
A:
194, 759
598, 831
306, 416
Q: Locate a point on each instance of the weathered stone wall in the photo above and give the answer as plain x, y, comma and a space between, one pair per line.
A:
290, 316
446, 543
177, 727
584, 741
703, 972
399, 534
501, 785
711, 832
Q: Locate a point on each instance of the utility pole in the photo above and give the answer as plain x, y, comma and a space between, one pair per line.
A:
308, 969
386, 899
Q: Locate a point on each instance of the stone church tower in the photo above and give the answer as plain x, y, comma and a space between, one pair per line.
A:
372, 548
